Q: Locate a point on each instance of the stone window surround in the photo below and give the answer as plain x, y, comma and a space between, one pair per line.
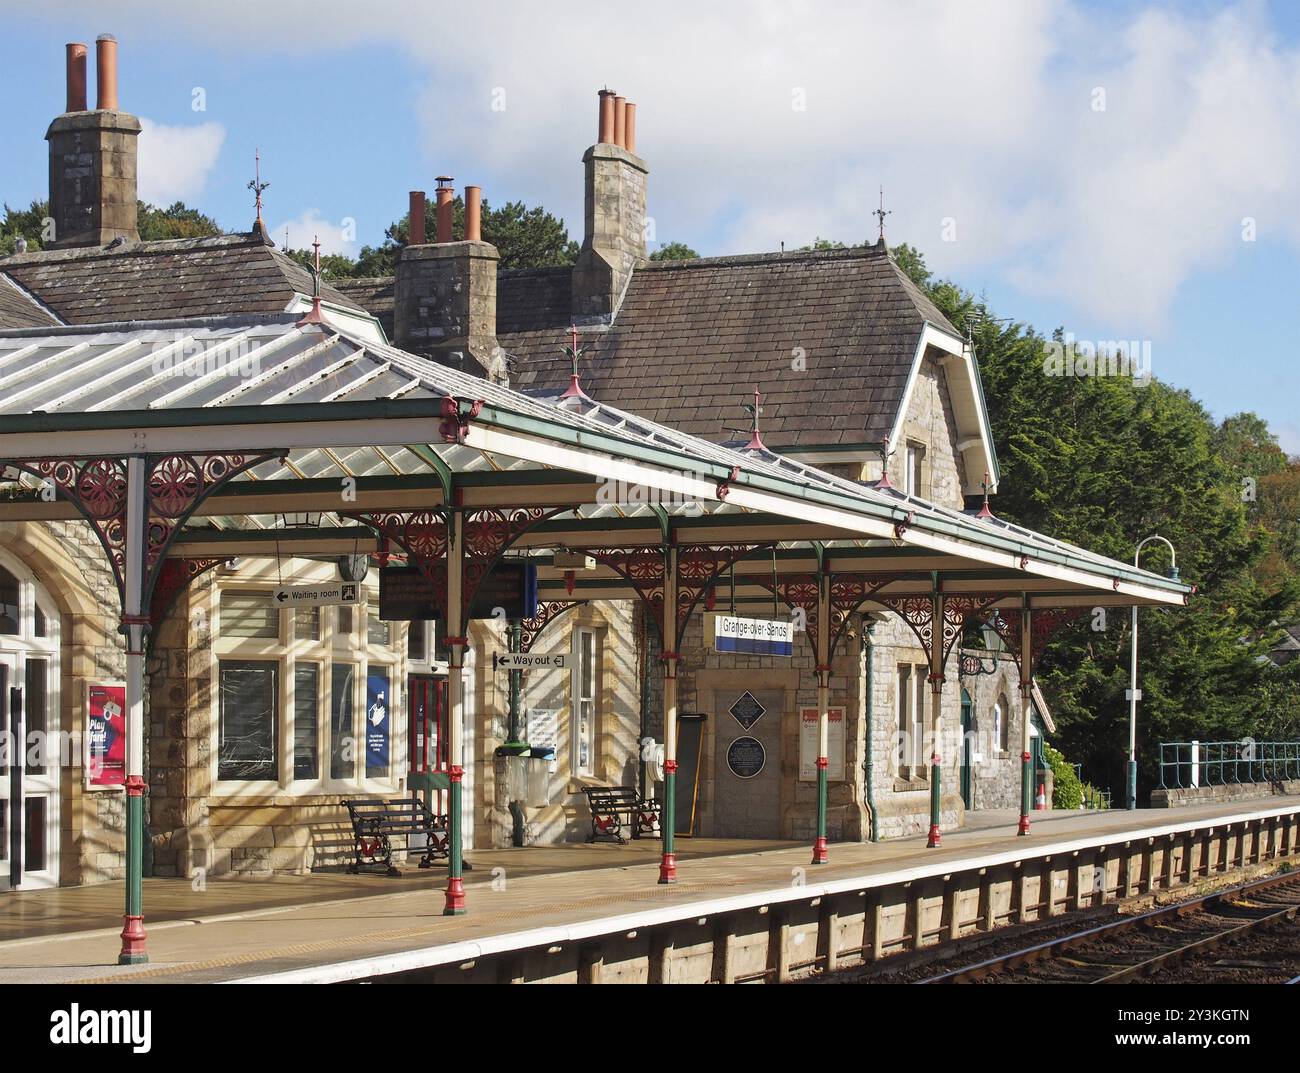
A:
286, 650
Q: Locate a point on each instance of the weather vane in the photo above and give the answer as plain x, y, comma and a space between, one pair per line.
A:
574, 353
755, 440
881, 213
257, 186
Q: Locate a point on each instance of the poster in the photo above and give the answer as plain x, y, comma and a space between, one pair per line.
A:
105, 735
808, 744
378, 723
543, 731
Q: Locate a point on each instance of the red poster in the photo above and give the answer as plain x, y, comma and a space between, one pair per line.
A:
106, 727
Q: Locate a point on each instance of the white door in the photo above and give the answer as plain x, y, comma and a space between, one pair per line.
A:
29, 798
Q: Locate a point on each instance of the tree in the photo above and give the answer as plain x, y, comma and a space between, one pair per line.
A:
674, 251
820, 243
1103, 461
175, 221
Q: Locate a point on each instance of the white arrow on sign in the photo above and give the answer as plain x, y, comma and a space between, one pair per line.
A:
327, 595
526, 661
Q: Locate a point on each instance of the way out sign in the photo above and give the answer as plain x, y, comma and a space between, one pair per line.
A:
327, 595
526, 661
753, 636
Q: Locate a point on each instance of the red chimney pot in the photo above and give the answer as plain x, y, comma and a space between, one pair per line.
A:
106, 72
415, 222
76, 77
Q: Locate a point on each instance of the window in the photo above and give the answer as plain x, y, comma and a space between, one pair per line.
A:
1001, 725
306, 623
36, 701
40, 626
247, 726
343, 623
306, 707
911, 719
378, 632
248, 615
914, 463
417, 641
9, 614
342, 736
583, 699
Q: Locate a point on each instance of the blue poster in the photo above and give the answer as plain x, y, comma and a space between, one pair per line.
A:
378, 712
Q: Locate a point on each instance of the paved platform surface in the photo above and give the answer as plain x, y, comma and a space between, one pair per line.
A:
245, 928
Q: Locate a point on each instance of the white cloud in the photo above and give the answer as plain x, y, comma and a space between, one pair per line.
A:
309, 225
978, 112
174, 162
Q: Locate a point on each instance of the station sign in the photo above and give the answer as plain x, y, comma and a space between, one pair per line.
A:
746, 757
526, 661
327, 595
753, 636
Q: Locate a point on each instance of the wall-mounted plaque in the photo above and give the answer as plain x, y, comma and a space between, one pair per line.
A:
747, 711
746, 757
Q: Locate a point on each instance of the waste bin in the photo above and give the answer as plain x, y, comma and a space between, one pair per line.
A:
541, 763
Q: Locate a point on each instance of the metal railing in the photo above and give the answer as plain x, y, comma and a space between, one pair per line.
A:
1187, 765
1094, 798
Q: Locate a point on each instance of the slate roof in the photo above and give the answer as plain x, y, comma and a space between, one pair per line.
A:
693, 339
18, 309
202, 277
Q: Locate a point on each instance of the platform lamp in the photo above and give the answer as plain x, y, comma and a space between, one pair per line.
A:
304, 519
1135, 694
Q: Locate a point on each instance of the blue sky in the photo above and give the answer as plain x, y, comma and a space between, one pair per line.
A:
1124, 170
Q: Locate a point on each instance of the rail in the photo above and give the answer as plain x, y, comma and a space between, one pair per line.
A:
1190, 764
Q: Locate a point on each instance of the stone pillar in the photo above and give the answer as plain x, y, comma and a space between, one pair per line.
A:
614, 242
445, 306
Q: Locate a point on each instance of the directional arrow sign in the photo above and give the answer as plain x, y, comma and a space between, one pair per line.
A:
326, 595
525, 661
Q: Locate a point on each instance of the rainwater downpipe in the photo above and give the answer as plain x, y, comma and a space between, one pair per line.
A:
869, 763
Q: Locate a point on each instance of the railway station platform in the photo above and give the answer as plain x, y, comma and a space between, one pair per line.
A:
595, 913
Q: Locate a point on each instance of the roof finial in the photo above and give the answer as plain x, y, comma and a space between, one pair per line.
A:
755, 440
314, 317
984, 511
881, 213
257, 186
574, 352
884, 465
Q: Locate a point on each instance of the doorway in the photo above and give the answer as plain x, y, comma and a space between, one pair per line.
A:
747, 763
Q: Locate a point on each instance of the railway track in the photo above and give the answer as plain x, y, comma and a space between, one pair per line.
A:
1158, 941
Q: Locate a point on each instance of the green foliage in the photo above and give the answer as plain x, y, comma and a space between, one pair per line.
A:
332, 265
525, 238
820, 243
175, 221
674, 251
1103, 461
1067, 791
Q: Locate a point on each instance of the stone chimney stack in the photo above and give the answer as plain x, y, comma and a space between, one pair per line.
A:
445, 294
614, 240
93, 157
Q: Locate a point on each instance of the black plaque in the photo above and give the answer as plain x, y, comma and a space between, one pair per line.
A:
746, 757
747, 711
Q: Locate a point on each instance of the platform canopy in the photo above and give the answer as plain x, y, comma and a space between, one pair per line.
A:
397, 432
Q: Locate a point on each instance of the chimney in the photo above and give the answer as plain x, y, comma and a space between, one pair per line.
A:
614, 240
93, 157
445, 294
415, 222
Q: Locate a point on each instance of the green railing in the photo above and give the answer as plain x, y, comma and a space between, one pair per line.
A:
1186, 765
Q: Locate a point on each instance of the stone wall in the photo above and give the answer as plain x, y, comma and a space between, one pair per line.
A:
1207, 795
614, 241
445, 304
93, 177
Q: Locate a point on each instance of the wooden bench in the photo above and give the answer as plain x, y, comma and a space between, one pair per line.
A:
376, 821
616, 807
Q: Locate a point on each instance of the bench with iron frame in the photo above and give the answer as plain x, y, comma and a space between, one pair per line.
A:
616, 807
377, 821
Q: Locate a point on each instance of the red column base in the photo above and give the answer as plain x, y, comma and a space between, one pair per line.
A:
668, 868
133, 952
819, 851
455, 906
933, 841
1024, 825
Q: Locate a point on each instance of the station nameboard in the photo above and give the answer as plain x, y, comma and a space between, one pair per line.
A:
753, 636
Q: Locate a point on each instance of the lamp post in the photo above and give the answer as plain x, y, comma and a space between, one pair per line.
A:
1134, 695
